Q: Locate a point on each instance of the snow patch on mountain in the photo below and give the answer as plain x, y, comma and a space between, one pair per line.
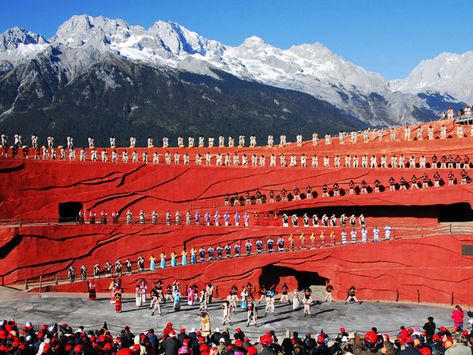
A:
448, 74
83, 41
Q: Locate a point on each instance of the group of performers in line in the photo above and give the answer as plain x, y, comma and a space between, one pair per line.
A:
243, 298
368, 135
225, 252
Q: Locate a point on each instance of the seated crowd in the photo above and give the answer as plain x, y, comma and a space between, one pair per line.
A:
64, 339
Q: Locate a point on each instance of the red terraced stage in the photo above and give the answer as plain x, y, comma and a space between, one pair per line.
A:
430, 259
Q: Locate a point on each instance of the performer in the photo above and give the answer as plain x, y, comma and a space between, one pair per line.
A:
246, 218
244, 298
237, 249
96, 271
128, 266
228, 250
307, 302
295, 299
140, 293
177, 300
269, 301
141, 264
284, 294
252, 314
92, 291
118, 300
156, 299
328, 293
227, 312
83, 272
184, 257
152, 263
173, 259
71, 273
191, 295
352, 295
162, 261
193, 255
205, 326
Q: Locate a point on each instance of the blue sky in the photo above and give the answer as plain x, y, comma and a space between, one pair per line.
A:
389, 37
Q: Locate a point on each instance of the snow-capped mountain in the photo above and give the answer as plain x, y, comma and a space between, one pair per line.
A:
84, 41
447, 74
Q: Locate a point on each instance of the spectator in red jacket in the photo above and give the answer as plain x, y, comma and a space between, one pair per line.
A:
457, 316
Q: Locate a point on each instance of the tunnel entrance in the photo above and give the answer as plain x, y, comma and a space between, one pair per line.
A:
271, 277
69, 211
457, 212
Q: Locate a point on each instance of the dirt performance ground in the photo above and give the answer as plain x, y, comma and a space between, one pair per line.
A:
76, 310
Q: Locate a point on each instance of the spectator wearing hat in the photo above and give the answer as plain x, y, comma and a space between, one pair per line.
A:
171, 344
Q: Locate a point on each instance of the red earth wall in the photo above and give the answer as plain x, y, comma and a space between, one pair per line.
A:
433, 265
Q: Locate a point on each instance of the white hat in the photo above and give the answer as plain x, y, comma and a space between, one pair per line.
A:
28, 324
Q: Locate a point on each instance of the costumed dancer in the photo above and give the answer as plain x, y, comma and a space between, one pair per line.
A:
92, 291
162, 257
233, 297
251, 314
152, 263
295, 299
184, 257
205, 327
118, 300
177, 300
244, 298
142, 288
307, 301
193, 256
284, 293
155, 304
191, 296
173, 259
227, 312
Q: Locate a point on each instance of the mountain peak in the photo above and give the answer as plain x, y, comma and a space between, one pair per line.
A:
14, 37
253, 41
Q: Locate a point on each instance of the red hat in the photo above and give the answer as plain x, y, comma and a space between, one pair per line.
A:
185, 342
443, 329
238, 343
251, 350
46, 347
238, 330
266, 339
246, 339
169, 324
425, 351
182, 330
465, 332
320, 339
342, 330
370, 338
436, 337
78, 348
